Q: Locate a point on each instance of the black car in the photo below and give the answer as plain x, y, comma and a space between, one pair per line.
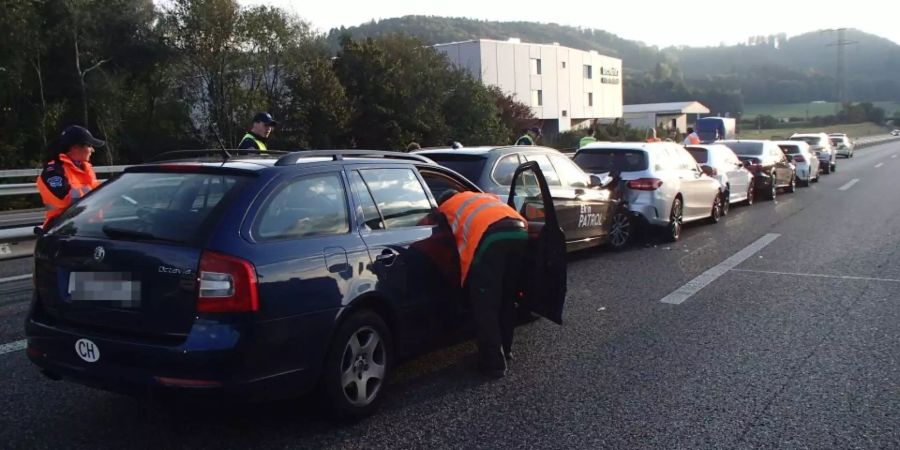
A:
263, 276
771, 169
591, 213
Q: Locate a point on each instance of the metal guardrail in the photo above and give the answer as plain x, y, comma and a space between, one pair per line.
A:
30, 188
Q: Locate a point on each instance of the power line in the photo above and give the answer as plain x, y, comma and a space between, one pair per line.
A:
840, 69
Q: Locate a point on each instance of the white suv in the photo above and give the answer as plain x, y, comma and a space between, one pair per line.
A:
663, 184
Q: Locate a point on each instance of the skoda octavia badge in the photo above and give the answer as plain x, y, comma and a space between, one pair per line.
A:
99, 253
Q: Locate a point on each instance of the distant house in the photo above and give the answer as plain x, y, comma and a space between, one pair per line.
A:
565, 88
670, 116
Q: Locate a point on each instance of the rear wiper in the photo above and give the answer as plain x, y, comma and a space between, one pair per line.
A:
115, 232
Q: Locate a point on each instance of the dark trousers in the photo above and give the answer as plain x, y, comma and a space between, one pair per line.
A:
494, 280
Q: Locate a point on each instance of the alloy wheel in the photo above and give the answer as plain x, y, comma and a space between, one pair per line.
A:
363, 366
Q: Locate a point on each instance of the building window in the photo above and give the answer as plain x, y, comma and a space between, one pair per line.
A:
563, 64
535, 66
537, 98
588, 71
565, 113
590, 98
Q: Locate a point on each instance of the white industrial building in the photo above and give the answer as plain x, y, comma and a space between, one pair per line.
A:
670, 116
566, 88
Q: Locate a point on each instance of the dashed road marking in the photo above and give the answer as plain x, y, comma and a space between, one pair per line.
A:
15, 278
878, 165
13, 347
849, 184
690, 288
819, 275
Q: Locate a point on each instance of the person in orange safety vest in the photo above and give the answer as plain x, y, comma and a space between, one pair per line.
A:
69, 175
491, 239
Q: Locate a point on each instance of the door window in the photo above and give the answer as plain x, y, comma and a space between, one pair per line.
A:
547, 168
573, 176
313, 205
505, 168
399, 196
372, 219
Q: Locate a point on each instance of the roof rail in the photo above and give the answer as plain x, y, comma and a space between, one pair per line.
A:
218, 153
338, 155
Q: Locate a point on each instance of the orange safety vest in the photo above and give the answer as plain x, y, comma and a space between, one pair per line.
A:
694, 139
80, 181
469, 215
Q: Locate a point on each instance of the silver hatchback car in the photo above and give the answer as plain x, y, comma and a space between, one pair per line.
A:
663, 184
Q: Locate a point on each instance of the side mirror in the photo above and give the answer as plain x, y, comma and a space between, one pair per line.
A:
598, 181
709, 171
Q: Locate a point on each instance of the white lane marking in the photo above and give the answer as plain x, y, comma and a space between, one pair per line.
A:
818, 275
849, 184
15, 278
690, 288
878, 165
13, 346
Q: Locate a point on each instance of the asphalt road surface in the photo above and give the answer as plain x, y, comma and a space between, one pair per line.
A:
782, 330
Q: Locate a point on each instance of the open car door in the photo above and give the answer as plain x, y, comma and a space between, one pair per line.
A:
545, 277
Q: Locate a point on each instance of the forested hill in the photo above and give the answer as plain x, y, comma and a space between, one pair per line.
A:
765, 69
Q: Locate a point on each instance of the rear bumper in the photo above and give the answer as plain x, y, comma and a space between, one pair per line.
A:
215, 358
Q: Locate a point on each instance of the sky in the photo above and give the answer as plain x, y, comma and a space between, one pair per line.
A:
654, 22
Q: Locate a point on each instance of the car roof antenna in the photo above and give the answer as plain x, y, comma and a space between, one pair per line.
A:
215, 129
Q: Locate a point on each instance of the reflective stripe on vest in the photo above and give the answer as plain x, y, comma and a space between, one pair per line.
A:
259, 144
470, 214
525, 140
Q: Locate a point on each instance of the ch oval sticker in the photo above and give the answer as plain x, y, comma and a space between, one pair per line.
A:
87, 350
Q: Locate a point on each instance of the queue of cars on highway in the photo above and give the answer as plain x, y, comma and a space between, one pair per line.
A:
272, 274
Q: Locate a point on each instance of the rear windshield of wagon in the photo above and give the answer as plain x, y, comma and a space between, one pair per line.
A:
151, 206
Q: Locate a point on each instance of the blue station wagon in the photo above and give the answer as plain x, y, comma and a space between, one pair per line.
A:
263, 275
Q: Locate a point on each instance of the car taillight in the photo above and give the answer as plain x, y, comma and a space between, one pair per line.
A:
226, 284
645, 184
799, 158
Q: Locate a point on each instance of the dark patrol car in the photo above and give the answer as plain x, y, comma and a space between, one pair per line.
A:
590, 212
264, 276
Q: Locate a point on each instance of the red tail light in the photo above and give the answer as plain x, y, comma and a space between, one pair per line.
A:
226, 284
799, 158
645, 184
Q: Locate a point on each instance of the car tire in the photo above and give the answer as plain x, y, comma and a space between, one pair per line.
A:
751, 193
672, 231
793, 186
726, 204
360, 352
715, 214
833, 167
621, 231
827, 169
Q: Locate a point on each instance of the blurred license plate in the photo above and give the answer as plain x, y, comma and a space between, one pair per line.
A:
115, 287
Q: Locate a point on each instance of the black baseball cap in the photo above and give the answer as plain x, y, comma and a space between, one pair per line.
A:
265, 118
78, 135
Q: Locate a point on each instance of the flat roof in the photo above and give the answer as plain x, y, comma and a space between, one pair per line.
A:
667, 108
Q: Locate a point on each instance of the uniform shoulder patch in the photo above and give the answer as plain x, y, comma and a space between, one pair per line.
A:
55, 181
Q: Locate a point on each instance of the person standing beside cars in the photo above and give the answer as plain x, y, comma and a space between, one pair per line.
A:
692, 138
68, 175
530, 137
491, 240
256, 138
588, 138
